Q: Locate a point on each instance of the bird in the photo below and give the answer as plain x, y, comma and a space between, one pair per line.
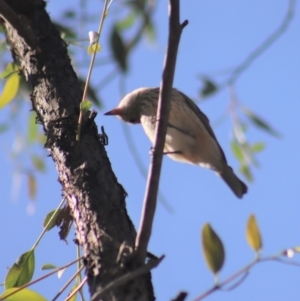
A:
189, 139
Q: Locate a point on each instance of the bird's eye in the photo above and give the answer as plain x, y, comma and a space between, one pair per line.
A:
133, 121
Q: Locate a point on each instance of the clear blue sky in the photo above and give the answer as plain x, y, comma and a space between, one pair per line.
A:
219, 36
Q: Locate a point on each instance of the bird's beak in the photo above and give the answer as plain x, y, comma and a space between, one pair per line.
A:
115, 111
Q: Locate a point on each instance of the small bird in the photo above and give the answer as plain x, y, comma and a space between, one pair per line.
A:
189, 137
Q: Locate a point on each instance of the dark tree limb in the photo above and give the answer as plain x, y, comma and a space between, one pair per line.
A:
175, 29
9, 16
96, 199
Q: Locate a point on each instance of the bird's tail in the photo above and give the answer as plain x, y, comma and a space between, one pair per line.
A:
236, 185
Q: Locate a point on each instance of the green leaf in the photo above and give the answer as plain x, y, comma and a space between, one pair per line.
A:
24, 294
94, 48
253, 234
258, 147
10, 90
32, 128
92, 94
237, 151
9, 70
118, 49
213, 249
127, 22
38, 163
208, 88
53, 221
70, 14
150, 31
21, 272
85, 106
260, 123
31, 182
245, 170
48, 266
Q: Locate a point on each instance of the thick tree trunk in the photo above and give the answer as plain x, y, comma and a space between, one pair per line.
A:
96, 199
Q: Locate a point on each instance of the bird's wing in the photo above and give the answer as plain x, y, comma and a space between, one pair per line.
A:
203, 118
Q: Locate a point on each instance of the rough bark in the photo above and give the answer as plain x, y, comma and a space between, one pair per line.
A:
96, 199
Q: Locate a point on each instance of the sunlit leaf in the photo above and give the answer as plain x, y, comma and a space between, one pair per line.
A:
260, 123
237, 151
118, 48
60, 272
94, 48
48, 266
22, 295
53, 221
10, 90
21, 272
31, 181
253, 234
85, 106
258, 147
212, 248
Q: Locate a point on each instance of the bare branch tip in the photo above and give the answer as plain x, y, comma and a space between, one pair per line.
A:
184, 24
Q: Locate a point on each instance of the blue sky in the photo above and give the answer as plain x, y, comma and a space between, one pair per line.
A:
219, 36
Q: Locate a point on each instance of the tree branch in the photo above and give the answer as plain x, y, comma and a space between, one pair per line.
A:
150, 199
96, 199
13, 19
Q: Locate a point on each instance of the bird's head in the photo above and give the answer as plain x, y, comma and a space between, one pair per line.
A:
134, 105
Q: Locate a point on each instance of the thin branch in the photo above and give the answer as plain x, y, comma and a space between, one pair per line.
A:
104, 13
67, 283
244, 272
265, 45
150, 199
78, 288
40, 278
138, 161
127, 277
180, 297
15, 21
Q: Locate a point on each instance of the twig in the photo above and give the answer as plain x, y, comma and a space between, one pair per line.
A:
181, 296
244, 272
16, 22
149, 205
128, 277
68, 283
40, 278
78, 288
138, 161
264, 46
104, 13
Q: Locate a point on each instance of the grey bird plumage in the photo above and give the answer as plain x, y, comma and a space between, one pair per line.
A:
189, 138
